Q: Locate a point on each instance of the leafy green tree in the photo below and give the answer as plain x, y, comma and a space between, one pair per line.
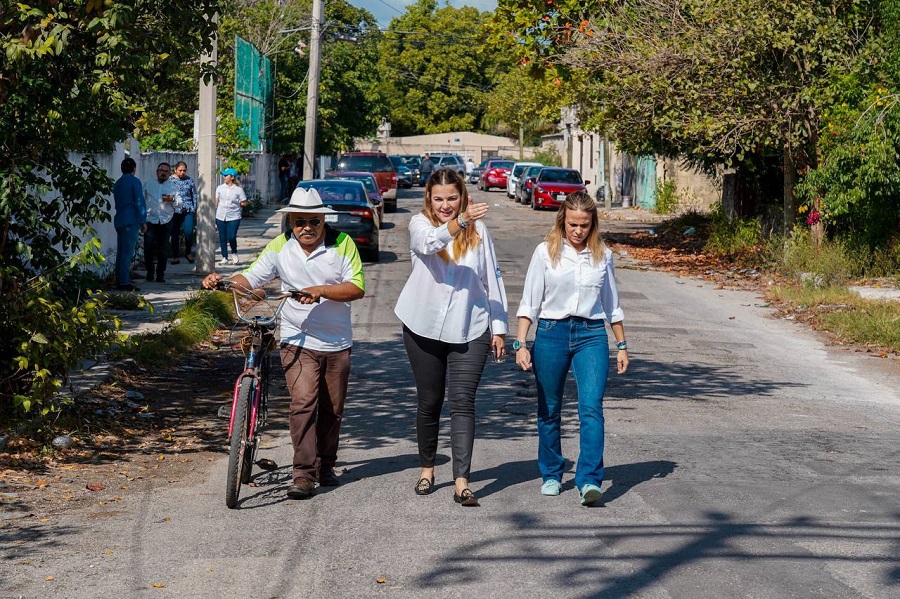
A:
855, 190
73, 76
350, 104
525, 104
718, 82
435, 69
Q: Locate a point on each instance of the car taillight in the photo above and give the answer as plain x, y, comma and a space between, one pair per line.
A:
527, 184
363, 213
393, 179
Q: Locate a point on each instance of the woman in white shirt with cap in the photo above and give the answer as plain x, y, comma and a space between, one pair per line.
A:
570, 289
453, 309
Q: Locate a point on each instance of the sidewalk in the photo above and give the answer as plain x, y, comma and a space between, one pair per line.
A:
182, 280
166, 298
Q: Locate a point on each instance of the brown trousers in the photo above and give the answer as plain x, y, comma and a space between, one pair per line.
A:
317, 382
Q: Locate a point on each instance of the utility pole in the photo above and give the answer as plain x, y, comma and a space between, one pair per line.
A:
206, 166
312, 92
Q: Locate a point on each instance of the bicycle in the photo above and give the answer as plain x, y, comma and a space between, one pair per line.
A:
249, 404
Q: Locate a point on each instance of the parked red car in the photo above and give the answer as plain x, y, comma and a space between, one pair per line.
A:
552, 186
495, 174
379, 165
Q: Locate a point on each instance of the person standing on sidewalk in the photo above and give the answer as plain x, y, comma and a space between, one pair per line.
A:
161, 204
130, 220
453, 310
427, 169
230, 202
570, 289
316, 335
183, 220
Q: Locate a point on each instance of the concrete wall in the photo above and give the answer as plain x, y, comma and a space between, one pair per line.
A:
263, 178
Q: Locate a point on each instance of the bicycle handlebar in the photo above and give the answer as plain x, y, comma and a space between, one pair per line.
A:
240, 290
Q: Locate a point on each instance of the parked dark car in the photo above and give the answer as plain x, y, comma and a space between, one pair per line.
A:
356, 215
495, 174
368, 181
407, 168
526, 183
379, 165
476, 174
552, 186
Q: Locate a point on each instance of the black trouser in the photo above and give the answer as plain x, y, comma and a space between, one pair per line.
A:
437, 365
156, 248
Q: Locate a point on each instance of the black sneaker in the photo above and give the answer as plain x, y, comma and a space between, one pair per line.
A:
150, 277
303, 488
160, 280
327, 478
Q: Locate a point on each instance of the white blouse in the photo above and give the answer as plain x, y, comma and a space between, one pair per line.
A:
454, 302
574, 287
230, 198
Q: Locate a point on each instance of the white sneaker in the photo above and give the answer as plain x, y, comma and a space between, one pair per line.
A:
234, 259
223, 262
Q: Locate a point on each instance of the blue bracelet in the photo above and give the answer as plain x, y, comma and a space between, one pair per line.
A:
621, 345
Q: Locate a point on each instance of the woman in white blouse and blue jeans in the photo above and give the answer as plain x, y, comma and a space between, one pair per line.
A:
570, 289
453, 309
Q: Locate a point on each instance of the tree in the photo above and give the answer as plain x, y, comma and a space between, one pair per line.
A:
435, 69
73, 75
855, 190
524, 104
717, 82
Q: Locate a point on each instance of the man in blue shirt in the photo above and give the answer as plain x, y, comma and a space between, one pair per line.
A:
130, 220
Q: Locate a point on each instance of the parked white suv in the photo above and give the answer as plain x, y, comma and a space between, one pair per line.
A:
514, 174
452, 161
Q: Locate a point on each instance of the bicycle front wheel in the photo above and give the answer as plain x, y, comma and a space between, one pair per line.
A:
238, 442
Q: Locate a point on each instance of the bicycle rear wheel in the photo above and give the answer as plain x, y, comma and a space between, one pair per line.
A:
238, 442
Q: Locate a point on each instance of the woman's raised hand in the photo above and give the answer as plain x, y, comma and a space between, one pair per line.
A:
475, 212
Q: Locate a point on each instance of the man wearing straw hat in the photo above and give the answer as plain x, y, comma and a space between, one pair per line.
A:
316, 335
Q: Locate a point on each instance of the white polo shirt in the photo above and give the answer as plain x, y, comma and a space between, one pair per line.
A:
324, 326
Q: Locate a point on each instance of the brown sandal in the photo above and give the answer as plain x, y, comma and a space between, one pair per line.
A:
424, 486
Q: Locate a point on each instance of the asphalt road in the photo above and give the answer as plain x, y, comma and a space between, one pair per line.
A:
745, 458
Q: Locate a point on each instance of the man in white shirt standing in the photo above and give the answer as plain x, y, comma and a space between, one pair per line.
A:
160, 197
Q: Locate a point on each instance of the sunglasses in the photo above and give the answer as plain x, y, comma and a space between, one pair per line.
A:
302, 222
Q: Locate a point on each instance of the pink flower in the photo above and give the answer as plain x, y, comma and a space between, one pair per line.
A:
814, 218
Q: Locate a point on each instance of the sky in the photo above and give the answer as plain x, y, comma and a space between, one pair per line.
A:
385, 10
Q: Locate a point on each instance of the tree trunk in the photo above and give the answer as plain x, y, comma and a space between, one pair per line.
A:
521, 142
790, 181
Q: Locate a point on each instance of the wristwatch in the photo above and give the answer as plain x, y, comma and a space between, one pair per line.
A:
517, 345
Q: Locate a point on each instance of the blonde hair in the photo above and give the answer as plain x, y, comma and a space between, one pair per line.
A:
578, 201
467, 239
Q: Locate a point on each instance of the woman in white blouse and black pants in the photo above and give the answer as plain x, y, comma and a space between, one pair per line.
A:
453, 309
570, 289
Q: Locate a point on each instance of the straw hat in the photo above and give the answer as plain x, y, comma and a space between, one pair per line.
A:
308, 201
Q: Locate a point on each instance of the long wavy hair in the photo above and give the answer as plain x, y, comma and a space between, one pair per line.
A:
578, 201
468, 239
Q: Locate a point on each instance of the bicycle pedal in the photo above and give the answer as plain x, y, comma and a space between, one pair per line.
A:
266, 464
224, 411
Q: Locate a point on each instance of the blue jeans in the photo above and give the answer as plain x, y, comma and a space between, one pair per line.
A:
582, 345
126, 240
228, 235
183, 221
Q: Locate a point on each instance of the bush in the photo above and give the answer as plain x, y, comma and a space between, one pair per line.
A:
828, 262
734, 237
548, 156
667, 199
56, 320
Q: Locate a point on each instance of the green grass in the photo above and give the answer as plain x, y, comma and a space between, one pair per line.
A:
843, 313
201, 315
